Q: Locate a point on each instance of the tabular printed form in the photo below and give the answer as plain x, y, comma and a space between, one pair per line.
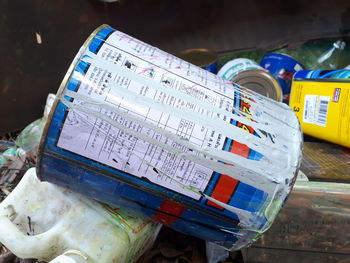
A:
98, 139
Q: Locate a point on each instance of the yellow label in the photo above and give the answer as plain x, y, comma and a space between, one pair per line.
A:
323, 109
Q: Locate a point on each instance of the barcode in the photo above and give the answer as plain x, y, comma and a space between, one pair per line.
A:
322, 111
306, 111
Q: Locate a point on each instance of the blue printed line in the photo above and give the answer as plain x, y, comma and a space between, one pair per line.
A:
100, 38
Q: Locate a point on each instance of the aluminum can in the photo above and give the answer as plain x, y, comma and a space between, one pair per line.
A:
259, 81
249, 74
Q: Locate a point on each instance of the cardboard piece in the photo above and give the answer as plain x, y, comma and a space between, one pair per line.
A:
326, 162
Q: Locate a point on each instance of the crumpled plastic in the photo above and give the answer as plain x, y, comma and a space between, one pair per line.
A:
316, 54
12, 160
29, 138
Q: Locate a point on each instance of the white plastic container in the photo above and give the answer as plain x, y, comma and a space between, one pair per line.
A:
44, 221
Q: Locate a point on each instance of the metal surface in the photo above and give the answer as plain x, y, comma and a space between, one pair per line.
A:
201, 57
196, 200
261, 82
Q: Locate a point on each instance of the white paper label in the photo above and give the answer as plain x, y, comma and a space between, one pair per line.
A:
99, 140
315, 109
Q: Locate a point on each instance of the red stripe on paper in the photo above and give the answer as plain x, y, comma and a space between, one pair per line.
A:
240, 149
223, 190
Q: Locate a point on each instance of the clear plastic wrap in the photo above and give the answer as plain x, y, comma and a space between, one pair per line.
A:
135, 126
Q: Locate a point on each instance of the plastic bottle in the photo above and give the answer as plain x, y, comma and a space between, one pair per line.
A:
329, 59
44, 221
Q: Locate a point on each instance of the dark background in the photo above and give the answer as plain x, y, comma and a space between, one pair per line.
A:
29, 71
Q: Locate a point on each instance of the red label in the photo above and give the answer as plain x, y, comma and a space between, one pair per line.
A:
240, 149
168, 212
223, 190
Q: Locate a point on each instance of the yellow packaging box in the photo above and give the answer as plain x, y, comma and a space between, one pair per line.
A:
323, 108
